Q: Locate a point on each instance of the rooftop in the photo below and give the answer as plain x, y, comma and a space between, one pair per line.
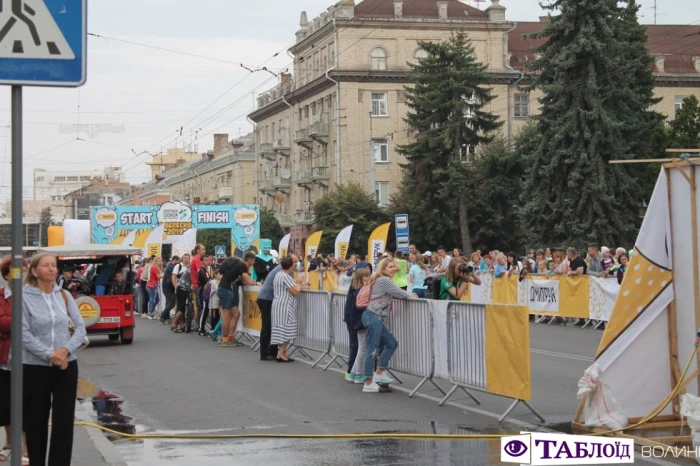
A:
419, 9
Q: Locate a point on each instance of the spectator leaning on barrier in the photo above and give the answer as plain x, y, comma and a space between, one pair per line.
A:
284, 309
595, 260
501, 267
266, 295
383, 289
169, 289
417, 275
400, 277
456, 282
577, 266
353, 319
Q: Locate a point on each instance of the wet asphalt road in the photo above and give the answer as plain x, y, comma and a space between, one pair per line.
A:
178, 383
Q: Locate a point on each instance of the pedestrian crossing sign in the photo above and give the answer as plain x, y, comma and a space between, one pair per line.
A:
43, 42
220, 251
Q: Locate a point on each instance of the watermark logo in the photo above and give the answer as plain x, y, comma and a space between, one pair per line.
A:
545, 449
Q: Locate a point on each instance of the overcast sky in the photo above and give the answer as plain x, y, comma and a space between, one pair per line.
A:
153, 93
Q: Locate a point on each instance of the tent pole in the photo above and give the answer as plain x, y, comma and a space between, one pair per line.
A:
672, 317
696, 277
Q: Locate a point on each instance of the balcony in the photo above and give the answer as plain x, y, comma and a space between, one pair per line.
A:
302, 138
225, 192
265, 185
303, 178
305, 217
286, 220
281, 146
319, 128
320, 174
282, 183
267, 152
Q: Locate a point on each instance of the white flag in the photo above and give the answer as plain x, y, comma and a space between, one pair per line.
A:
284, 245
342, 242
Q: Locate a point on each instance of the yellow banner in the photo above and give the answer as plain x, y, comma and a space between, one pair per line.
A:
312, 243
330, 281
376, 245
505, 290
314, 279
252, 318
508, 351
154, 249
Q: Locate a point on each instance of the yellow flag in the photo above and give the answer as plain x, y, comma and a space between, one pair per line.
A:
312, 243
377, 244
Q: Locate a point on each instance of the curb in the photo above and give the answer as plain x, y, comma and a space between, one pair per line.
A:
101, 443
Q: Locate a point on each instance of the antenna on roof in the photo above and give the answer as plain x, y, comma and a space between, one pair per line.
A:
477, 2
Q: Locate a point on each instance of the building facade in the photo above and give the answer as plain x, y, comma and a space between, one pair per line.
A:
225, 175
53, 185
98, 192
173, 157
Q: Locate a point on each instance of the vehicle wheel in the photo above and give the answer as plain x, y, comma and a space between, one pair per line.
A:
113, 337
128, 331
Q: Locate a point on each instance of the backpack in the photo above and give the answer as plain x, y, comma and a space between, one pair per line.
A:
228, 264
184, 279
167, 276
434, 286
362, 300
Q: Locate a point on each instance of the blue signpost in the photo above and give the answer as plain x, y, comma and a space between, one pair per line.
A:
401, 227
42, 43
220, 251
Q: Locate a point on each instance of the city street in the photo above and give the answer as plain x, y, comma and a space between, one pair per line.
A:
172, 383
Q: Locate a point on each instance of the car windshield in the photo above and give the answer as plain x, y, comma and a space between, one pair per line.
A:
107, 275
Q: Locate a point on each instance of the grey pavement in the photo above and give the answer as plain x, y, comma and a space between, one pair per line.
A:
179, 383
90, 446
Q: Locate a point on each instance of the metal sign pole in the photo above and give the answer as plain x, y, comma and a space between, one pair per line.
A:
16, 277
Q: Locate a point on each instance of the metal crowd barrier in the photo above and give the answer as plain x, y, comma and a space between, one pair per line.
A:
313, 324
411, 322
340, 343
466, 352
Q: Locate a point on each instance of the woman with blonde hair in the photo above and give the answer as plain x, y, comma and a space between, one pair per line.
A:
383, 290
49, 362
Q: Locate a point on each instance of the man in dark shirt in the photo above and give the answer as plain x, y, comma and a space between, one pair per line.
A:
233, 275
169, 289
577, 266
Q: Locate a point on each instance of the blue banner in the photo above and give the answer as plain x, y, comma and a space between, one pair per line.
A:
401, 227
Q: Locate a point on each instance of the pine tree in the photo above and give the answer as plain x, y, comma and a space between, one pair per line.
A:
446, 108
597, 87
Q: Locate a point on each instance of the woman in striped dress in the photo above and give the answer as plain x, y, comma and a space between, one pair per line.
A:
284, 309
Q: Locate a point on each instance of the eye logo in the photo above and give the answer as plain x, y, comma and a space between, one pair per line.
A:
515, 448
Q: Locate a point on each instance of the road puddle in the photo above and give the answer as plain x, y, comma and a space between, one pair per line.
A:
105, 408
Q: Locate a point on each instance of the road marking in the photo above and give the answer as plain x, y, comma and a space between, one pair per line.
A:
562, 355
28, 30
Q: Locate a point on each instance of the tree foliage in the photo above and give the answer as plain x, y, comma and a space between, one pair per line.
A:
213, 237
270, 227
45, 221
446, 108
348, 204
596, 78
684, 129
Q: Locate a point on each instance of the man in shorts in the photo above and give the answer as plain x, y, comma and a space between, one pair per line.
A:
233, 275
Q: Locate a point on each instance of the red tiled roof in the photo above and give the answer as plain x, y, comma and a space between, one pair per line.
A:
419, 8
677, 44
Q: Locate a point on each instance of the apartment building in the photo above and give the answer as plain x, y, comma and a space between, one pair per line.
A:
225, 175
54, 185
340, 118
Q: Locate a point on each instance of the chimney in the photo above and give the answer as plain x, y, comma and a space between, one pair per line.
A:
659, 64
442, 10
220, 143
497, 12
544, 19
696, 63
345, 9
398, 8
285, 78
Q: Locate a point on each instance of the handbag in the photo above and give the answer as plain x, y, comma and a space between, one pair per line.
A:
71, 324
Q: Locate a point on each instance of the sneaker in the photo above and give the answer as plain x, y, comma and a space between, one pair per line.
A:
371, 388
359, 379
382, 378
349, 377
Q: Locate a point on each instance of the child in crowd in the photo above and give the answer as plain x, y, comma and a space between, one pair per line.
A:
357, 374
607, 258
551, 267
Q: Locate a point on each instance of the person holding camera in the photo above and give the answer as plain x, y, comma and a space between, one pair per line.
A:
457, 279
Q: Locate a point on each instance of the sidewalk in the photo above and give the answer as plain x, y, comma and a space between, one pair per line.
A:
90, 446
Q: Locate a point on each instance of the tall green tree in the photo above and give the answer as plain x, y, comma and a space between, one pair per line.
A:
446, 106
45, 221
594, 109
684, 129
270, 227
348, 204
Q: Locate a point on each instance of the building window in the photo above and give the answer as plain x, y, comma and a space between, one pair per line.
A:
59, 178
522, 105
379, 103
72, 178
678, 103
380, 147
421, 54
85, 178
40, 178
378, 58
381, 191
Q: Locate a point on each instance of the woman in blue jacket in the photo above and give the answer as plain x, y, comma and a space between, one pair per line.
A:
353, 319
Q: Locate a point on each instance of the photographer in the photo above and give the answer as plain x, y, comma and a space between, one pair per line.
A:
456, 281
